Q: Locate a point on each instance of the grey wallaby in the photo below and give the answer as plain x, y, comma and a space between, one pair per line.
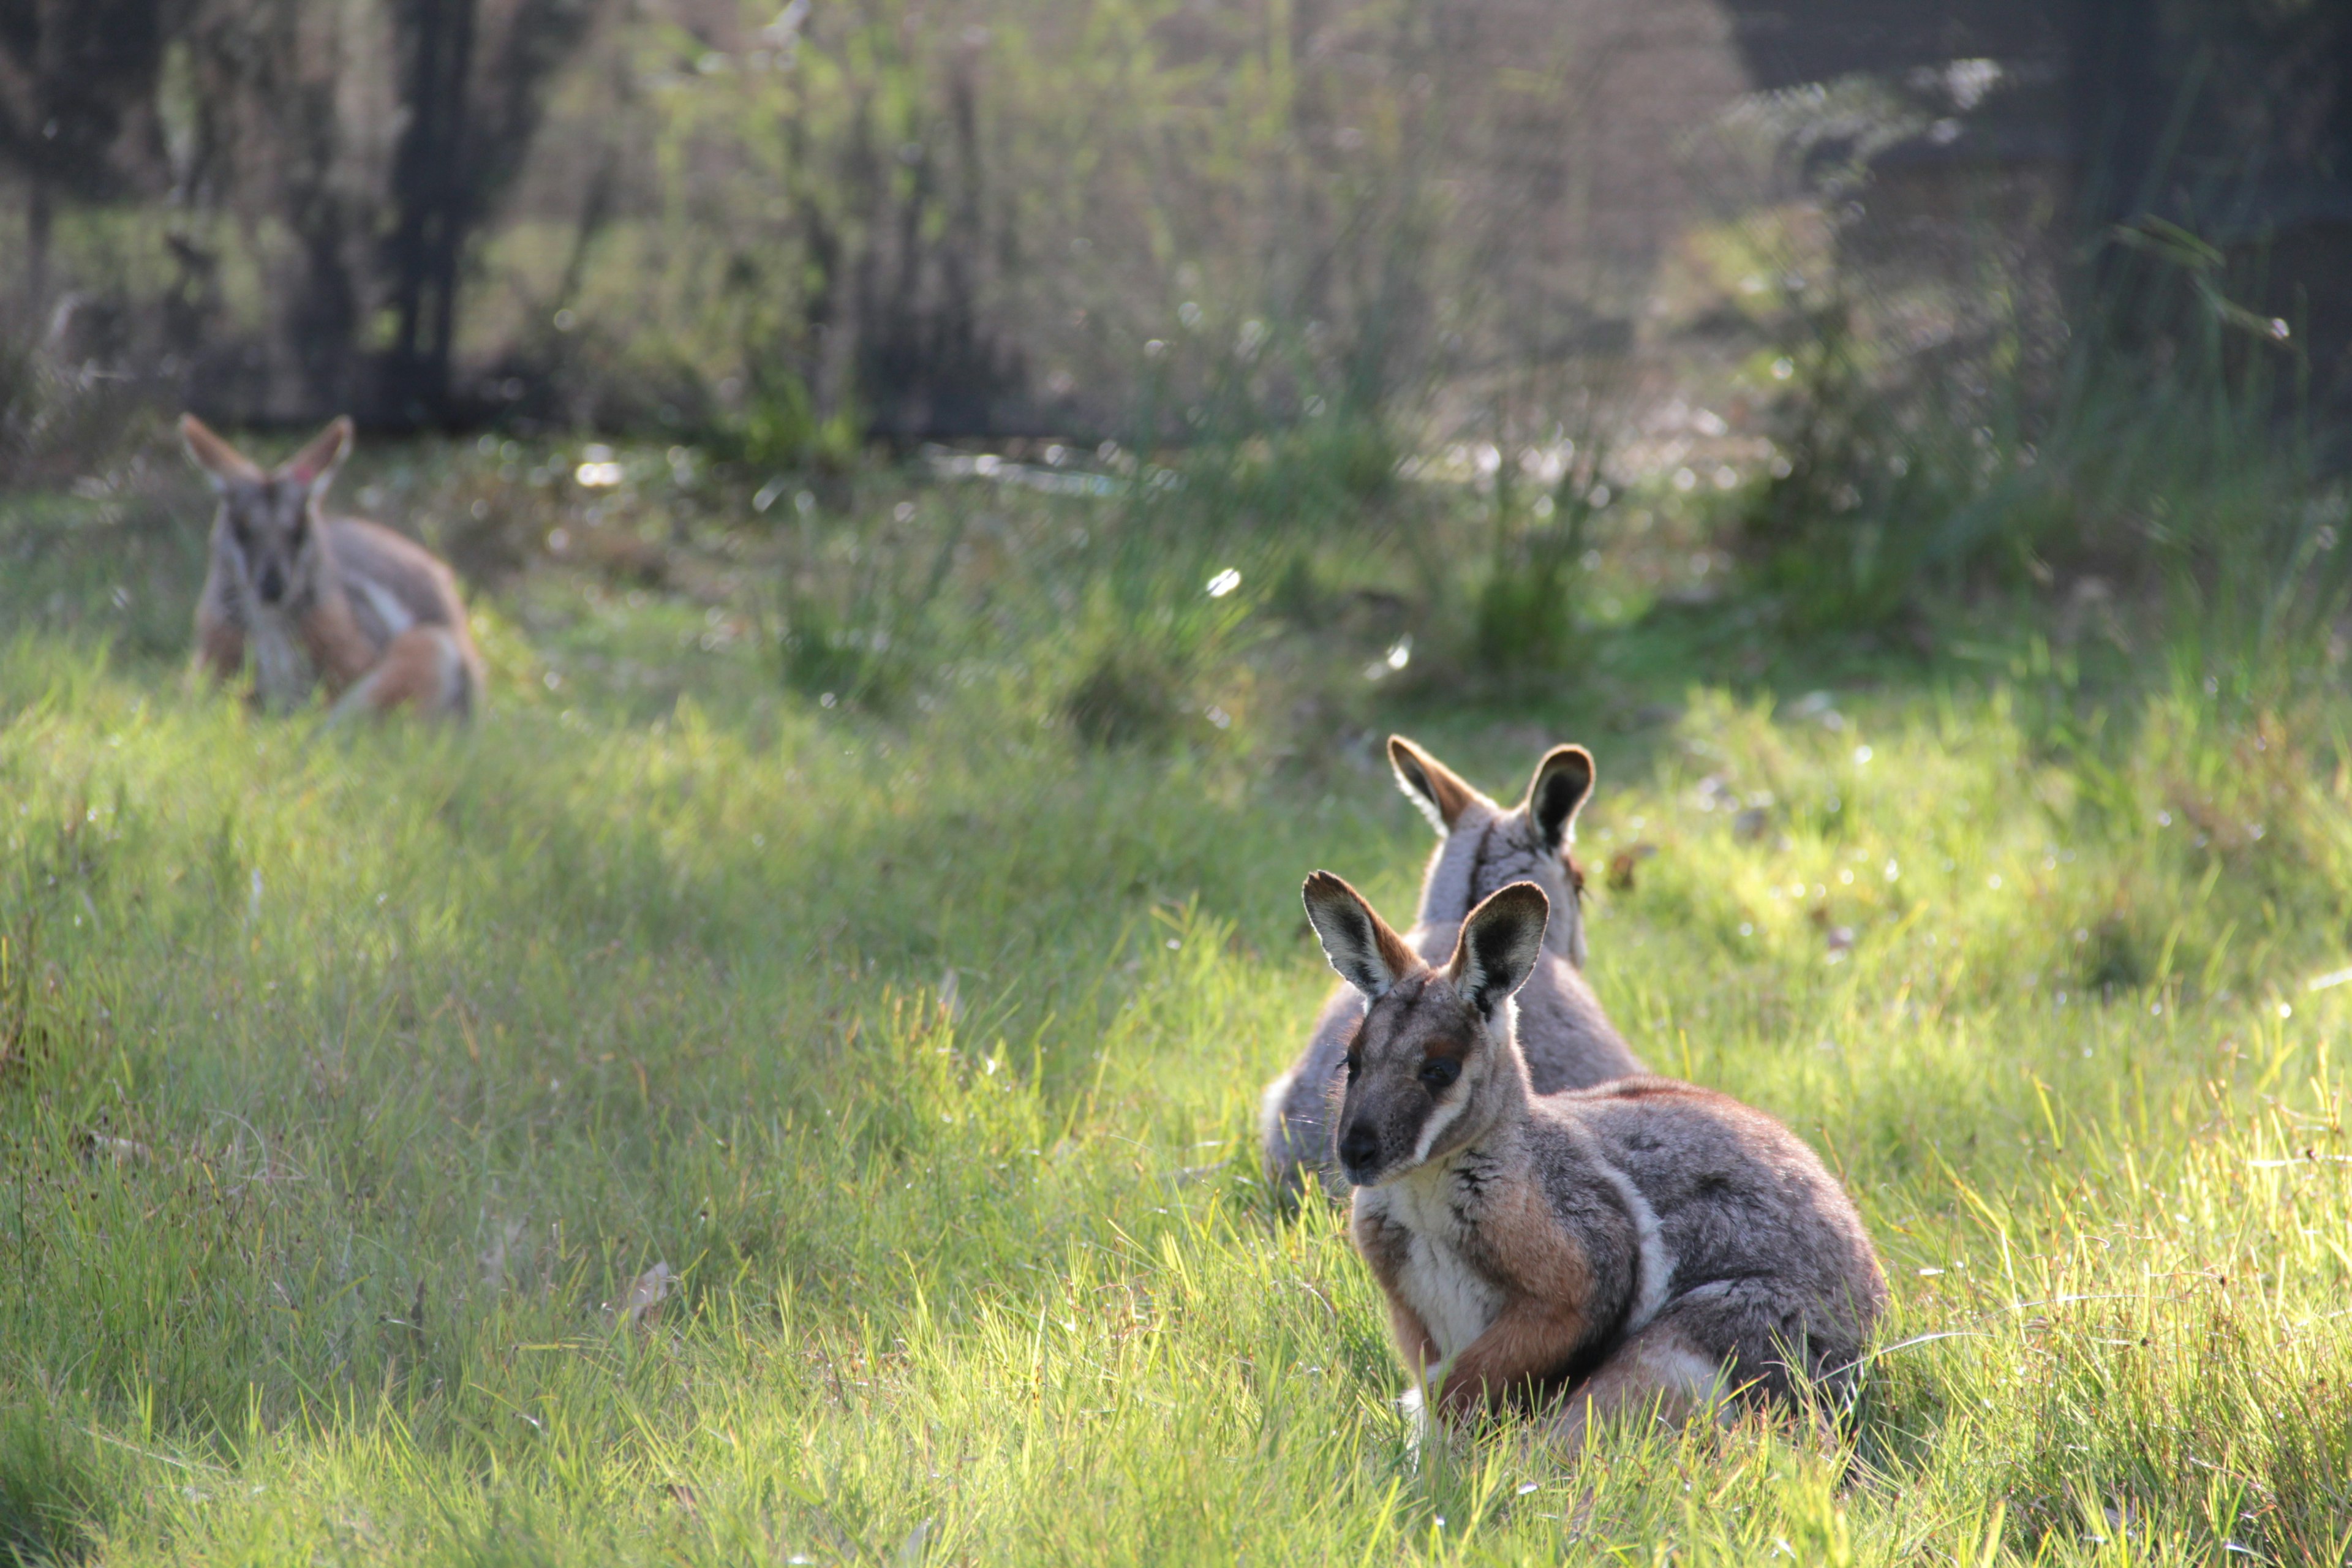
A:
1565, 1036
1645, 1246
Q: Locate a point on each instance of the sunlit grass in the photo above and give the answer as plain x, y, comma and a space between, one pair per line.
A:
351, 1085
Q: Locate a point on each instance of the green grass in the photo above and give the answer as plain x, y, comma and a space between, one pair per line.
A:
351, 1085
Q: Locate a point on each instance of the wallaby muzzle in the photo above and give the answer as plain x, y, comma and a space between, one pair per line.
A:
1359, 1154
1379, 1128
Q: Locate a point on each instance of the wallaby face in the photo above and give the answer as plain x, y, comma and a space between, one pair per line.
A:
1431, 1065
315, 598
1487, 848
268, 529
1565, 1038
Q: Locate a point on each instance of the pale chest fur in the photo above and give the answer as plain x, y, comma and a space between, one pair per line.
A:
282, 663
1434, 1275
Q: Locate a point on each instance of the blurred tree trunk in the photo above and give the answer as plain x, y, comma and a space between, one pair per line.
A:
72, 72
471, 115
2117, 108
41, 218
429, 193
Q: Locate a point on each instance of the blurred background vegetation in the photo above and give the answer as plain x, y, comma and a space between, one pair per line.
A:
1863, 306
951, 498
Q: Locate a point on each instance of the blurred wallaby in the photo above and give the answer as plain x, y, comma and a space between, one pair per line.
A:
318, 597
1568, 1039
1645, 1246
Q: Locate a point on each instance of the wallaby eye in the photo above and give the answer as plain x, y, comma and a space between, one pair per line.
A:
1354, 1064
1439, 1072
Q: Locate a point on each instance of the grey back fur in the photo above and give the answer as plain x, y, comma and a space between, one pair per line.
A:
1750, 1247
1645, 1236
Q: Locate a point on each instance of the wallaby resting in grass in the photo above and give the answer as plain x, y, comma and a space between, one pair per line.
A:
1568, 1040
320, 597
1643, 1246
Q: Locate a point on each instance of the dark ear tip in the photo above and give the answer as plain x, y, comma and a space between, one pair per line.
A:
1322, 885
1522, 894
1568, 755
1524, 901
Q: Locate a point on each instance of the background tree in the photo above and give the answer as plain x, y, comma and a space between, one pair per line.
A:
73, 75
473, 78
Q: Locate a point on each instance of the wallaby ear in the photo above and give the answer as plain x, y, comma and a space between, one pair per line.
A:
1563, 782
1366, 953
1499, 944
315, 465
223, 463
1440, 792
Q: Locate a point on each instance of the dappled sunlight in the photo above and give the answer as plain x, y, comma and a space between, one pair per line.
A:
357, 1081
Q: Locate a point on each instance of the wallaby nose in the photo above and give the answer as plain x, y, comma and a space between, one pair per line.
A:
1359, 1150
272, 586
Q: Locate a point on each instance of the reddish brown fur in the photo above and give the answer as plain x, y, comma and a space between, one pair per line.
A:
1546, 1279
1394, 951
336, 644
376, 616
213, 454
220, 646
415, 669
1650, 1374
1451, 792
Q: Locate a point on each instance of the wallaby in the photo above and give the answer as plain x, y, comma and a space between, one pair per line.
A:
320, 597
1644, 1245
1566, 1036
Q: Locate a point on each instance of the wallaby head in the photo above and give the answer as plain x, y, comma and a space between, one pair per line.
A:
268, 529
1433, 1063
1486, 847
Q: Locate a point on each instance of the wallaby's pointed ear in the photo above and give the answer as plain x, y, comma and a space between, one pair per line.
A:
1499, 944
1366, 953
1438, 790
316, 463
1563, 782
221, 462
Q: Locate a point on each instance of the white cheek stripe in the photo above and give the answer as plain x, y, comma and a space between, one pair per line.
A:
1443, 1117
1504, 1027
1655, 1269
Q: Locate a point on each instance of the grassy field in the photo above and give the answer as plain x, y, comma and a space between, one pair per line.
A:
709, 1114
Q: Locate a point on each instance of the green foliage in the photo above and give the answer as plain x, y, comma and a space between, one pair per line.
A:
58, 1487
353, 1087
1845, 534
1162, 625
2171, 447
780, 427
1524, 622
861, 621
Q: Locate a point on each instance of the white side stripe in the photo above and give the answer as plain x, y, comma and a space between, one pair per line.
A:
1657, 1265
395, 615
